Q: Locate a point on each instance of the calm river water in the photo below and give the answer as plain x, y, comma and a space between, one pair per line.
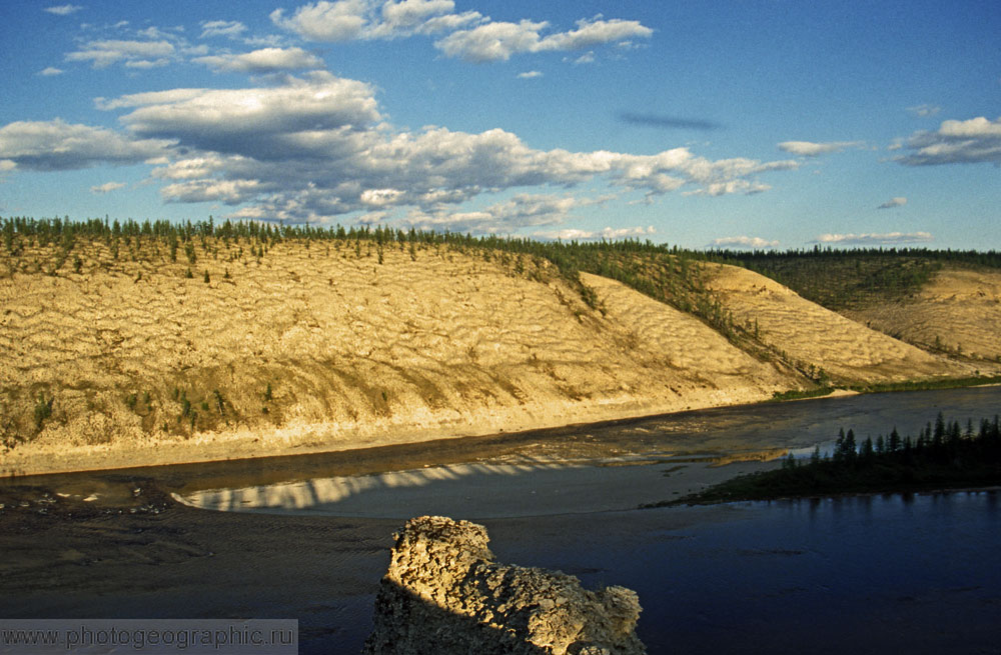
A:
914, 574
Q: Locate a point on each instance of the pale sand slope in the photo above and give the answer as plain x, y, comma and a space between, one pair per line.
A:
811, 335
356, 354
956, 308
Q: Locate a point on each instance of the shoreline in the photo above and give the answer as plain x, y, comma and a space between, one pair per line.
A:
219, 447
251, 446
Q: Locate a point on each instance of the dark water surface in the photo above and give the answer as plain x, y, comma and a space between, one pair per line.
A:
881, 574
918, 574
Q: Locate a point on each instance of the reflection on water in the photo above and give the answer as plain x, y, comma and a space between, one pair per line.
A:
543, 472
320, 493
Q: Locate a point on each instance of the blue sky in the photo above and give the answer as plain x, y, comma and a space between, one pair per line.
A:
755, 123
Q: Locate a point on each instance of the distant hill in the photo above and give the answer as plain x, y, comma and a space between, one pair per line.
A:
946, 302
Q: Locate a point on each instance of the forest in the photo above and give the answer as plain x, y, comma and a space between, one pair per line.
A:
945, 454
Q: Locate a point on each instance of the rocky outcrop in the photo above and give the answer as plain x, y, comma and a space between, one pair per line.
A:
444, 593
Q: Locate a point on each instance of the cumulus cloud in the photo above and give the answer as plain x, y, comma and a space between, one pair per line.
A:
972, 141
523, 210
318, 147
742, 242
63, 10
325, 21
102, 54
265, 60
345, 20
608, 233
889, 238
898, 201
56, 146
498, 41
227, 28
107, 187
316, 118
811, 149
470, 35
529, 75
495, 41
50, 71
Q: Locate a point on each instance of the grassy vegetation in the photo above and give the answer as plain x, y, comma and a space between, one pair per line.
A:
944, 455
881, 387
927, 385
799, 394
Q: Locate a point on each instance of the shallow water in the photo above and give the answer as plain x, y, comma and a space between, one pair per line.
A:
611, 466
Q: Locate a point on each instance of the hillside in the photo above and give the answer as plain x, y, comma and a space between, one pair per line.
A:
125, 347
825, 345
957, 312
314, 347
945, 302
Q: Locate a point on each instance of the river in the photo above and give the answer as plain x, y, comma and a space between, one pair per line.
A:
870, 574
307, 538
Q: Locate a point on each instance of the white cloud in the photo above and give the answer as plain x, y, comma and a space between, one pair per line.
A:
107, 187
472, 36
342, 20
381, 197
586, 58
410, 16
227, 28
230, 192
50, 71
529, 75
147, 63
898, 201
924, 110
451, 22
498, 41
743, 242
318, 147
522, 210
609, 233
594, 32
56, 145
889, 238
63, 10
495, 41
325, 117
811, 149
976, 140
265, 60
102, 54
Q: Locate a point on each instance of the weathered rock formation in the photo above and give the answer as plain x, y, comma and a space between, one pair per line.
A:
444, 593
